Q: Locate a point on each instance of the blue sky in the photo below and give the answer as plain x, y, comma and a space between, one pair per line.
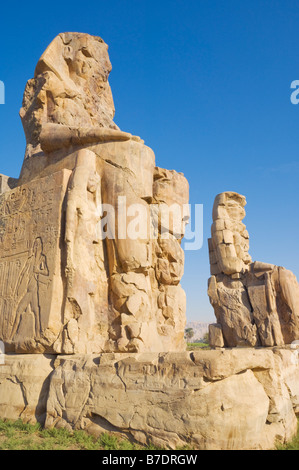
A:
206, 84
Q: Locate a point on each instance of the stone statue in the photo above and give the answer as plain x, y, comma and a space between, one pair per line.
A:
94, 196
256, 304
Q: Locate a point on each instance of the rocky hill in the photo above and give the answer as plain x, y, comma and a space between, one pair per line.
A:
199, 328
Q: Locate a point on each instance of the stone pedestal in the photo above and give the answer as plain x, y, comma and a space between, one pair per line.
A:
224, 399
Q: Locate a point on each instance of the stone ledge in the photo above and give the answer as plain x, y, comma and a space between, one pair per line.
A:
218, 399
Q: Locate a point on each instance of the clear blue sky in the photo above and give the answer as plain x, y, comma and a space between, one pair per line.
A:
206, 83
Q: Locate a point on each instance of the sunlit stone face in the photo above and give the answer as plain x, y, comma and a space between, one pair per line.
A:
234, 210
230, 240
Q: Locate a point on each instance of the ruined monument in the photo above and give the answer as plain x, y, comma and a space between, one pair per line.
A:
255, 303
92, 314
70, 281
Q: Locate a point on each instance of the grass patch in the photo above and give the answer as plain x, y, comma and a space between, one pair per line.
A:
16, 435
293, 444
192, 346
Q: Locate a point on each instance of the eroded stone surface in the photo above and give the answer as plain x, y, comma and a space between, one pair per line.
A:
223, 399
24, 386
210, 399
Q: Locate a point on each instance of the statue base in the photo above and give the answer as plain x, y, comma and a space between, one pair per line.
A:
220, 399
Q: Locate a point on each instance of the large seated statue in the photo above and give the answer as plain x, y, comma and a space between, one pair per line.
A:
255, 303
86, 264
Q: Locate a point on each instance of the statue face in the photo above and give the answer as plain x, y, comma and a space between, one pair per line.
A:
88, 59
93, 183
234, 210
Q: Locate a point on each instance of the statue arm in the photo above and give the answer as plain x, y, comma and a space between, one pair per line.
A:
56, 136
42, 266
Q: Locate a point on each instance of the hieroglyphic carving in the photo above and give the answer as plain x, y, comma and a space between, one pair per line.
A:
30, 218
27, 289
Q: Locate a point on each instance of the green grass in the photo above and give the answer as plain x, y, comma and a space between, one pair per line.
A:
293, 444
192, 346
16, 435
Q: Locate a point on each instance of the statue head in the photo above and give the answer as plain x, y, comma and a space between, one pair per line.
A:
230, 241
77, 59
70, 87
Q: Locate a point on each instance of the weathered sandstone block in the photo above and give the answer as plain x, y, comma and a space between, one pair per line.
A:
218, 399
216, 335
24, 386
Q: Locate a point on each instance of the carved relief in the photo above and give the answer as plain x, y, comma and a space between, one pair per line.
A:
27, 290
30, 229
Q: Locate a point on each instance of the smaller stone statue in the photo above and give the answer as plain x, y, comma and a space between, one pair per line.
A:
255, 303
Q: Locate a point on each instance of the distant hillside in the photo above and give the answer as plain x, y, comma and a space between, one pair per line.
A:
199, 328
